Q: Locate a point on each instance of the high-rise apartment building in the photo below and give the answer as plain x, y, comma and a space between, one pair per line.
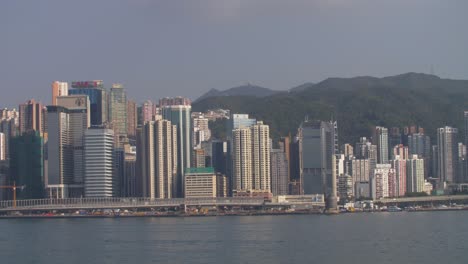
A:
261, 147
318, 142
118, 111
200, 130
97, 96
279, 172
157, 159
379, 181
415, 174
132, 120
401, 151
398, 184
148, 111
9, 122
31, 117
177, 110
242, 159
419, 144
99, 176
59, 89
380, 138
347, 150
447, 154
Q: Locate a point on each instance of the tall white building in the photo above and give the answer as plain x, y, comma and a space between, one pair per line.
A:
200, 130
157, 158
261, 157
251, 158
99, 177
59, 89
415, 174
242, 159
379, 181
2, 146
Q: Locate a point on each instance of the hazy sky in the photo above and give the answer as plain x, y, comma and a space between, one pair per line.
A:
160, 48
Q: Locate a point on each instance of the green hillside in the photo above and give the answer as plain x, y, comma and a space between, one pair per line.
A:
358, 104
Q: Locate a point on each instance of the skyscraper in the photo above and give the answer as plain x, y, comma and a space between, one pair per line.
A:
99, 176
27, 164
379, 181
9, 122
419, 144
242, 159
157, 159
31, 117
97, 97
2, 146
279, 172
132, 120
59, 89
401, 151
398, 185
380, 138
415, 174
148, 111
177, 110
251, 159
447, 154
219, 156
59, 153
318, 142
79, 119
118, 111
261, 157
239, 121
200, 130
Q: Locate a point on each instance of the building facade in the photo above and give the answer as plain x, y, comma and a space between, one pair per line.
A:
447, 154
200, 183
318, 142
279, 173
118, 111
177, 111
157, 159
99, 176
97, 96
58, 89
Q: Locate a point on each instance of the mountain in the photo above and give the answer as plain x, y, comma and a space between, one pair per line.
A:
357, 104
245, 90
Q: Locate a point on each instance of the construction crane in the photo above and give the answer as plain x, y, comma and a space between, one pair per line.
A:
12, 187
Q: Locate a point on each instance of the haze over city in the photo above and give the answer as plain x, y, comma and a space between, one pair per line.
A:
169, 48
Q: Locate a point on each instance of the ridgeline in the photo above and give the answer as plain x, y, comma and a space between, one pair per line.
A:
357, 104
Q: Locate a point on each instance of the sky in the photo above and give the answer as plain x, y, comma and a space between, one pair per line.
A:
159, 48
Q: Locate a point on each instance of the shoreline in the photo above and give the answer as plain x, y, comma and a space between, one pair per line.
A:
76, 216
